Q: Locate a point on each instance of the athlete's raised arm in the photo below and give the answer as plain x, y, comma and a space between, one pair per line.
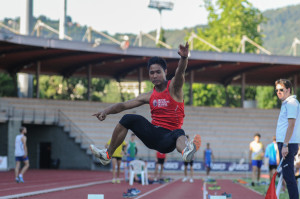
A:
119, 107
178, 80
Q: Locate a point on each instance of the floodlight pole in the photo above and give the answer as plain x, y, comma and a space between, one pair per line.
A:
160, 5
159, 27
62, 20
294, 46
26, 17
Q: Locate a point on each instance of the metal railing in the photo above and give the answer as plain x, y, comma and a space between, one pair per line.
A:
31, 114
74, 130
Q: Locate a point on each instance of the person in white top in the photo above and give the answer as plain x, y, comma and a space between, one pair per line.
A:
256, 154
21, 155
288, 133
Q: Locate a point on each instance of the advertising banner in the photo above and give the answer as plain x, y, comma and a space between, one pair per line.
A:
199, 166
3, 163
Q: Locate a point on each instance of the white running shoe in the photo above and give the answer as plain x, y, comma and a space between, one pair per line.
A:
191, 180
184, 179
101, 154
191, 148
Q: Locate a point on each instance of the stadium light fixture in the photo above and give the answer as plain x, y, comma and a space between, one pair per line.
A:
160, 6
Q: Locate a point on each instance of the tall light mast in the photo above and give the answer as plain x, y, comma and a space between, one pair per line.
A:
160, 6
62, 19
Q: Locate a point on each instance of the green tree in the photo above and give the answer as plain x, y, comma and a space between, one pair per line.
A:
8, 85
250, 92
228, 21
208, 95
266, 97
112, 93
161, 38
98, 86
215, 95
73, 88
149, 86
52, 87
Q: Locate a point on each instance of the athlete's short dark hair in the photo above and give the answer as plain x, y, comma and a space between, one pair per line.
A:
157, 60
22, 128
257, 134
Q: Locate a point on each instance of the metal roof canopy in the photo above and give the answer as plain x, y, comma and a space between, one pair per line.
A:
71, 58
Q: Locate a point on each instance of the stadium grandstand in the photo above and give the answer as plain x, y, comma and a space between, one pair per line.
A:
56, 124
60, 123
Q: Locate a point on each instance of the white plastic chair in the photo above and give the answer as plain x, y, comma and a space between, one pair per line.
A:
138, 167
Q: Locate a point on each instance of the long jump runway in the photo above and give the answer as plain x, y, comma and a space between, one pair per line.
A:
77, 184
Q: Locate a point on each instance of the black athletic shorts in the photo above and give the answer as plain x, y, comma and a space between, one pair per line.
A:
154, 137
160, 161
272, 167
189, 163
118, 158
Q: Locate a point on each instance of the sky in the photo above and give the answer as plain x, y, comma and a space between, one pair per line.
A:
126, 16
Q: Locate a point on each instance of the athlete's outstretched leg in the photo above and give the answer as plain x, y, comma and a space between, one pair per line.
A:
190, 149
181, 143
17, 169
117, 138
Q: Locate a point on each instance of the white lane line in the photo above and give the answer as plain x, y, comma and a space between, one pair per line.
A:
248, 188
54, 189
31, 186
41, 184
153, 190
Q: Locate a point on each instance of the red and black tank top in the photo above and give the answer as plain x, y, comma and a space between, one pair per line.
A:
165, 111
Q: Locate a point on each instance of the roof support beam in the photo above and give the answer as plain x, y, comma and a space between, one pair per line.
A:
68, 72
191, 87
243, 89
38, 71
207, 65
140, 79
124, 72
32, 61
295, 78
19, 50
89, 78
228, 79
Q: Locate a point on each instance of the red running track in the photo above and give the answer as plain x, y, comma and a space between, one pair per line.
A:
78, 184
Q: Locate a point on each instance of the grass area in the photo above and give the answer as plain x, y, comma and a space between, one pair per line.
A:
263, 188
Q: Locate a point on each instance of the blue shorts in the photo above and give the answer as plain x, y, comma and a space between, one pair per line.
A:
208, 164
257, 163
129, 159
21, 158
